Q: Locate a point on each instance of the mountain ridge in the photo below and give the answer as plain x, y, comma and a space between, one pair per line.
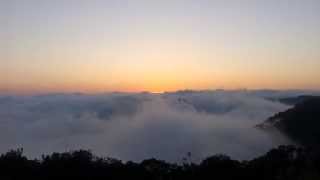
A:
301, 123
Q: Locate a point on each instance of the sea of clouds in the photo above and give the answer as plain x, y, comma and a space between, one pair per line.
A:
143, 125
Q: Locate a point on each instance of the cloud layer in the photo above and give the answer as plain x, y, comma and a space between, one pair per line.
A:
140, 126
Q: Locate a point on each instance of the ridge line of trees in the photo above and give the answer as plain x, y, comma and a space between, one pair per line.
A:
284, 162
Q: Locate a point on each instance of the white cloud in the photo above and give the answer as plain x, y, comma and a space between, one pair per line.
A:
139, 126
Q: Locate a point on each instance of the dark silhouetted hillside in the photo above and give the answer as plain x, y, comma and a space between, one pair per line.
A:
301, 123
283, 163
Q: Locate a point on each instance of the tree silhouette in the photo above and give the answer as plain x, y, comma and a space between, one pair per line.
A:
284, 162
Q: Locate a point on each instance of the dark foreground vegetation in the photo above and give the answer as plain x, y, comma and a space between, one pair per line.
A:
285, 162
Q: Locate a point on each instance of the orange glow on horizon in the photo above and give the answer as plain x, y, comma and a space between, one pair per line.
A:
154, 83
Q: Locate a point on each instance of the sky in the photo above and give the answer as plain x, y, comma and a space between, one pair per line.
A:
157, 46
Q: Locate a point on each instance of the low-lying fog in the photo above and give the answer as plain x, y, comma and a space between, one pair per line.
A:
139, 126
